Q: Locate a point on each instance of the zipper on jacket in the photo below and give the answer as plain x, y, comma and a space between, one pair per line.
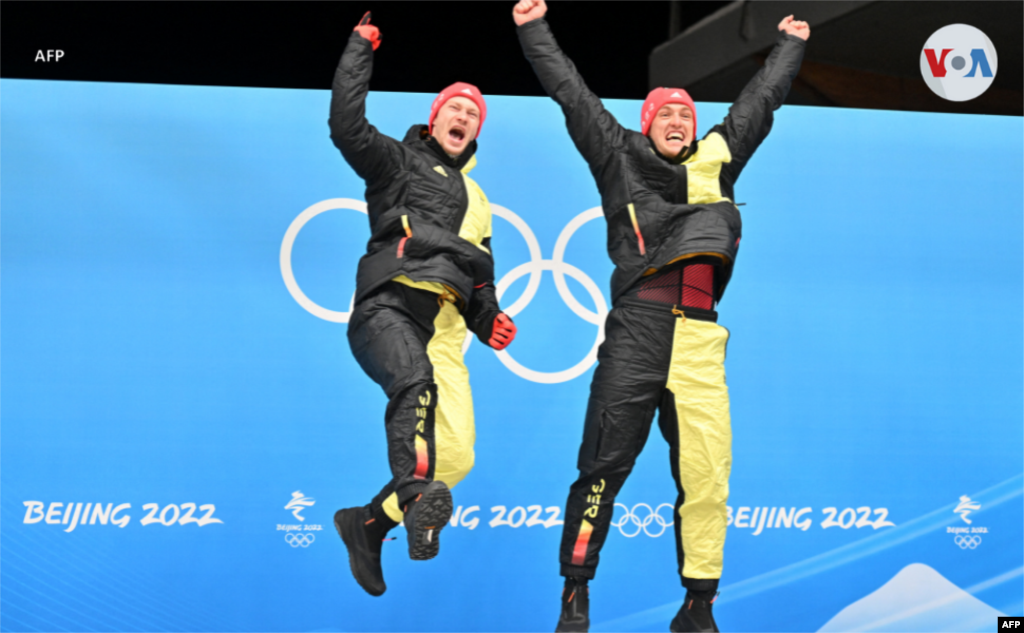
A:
408, 234
636, 227
460, 215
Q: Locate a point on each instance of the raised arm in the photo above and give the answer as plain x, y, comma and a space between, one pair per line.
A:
593, 129
750, 117
371, 154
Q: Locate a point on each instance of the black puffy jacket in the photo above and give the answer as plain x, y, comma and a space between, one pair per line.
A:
661, 211
419, 200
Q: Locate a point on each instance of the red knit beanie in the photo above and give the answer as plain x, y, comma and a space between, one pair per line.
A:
661, 96
459, 89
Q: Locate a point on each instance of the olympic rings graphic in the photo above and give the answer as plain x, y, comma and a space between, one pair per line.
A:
299, 539
534, 268
559, 268
651, 516
967, 542
286, 257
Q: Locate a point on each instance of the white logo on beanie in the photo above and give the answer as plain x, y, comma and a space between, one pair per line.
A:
676, 94
468, 91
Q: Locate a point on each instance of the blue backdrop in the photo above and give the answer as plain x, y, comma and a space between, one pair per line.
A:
182, 414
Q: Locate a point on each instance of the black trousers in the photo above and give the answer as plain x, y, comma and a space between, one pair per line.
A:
409, 340
655, 358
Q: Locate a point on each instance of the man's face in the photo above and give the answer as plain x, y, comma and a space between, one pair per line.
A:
456, 124
672, 129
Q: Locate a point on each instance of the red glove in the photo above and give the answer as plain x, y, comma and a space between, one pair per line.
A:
502, 333
368, 31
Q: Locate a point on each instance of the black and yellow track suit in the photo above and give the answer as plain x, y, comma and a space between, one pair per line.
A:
427, 275
657, 356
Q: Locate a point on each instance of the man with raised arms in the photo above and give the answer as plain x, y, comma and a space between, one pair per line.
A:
427, 275
673, 234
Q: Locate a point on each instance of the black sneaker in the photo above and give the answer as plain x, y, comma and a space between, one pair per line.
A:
363, 555
575, 615
425, 517
694, 615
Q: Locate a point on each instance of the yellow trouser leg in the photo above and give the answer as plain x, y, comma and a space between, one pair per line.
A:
454, 427
697, 380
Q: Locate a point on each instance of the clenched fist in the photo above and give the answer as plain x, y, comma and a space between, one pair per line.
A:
792, 27
528, 10
368, 31
502, 332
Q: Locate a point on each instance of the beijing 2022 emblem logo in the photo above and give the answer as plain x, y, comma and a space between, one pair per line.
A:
958, 62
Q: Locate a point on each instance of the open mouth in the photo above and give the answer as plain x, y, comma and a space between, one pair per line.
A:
675, 136
457, 134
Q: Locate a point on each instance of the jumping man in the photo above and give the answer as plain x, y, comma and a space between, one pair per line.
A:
427, 275
673, 234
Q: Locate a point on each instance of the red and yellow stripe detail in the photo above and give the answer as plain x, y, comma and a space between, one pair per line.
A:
579, 551
636, 228
408, 234
422, 458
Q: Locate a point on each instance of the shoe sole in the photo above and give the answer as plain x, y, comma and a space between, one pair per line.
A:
350, 547
433, 511
674, 628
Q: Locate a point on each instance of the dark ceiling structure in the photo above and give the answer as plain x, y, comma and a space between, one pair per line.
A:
861, 54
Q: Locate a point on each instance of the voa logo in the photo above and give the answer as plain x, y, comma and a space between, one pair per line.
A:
958, 62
